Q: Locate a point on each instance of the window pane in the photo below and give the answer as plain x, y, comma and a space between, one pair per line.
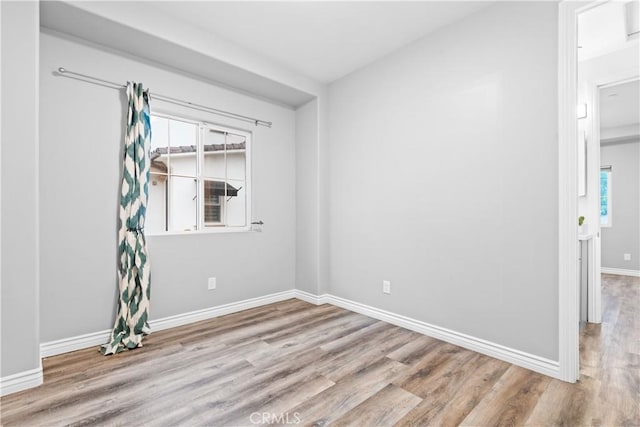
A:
235, 142
213, 203
159, 132
236, 209
214, 150
182, 204
236, 178
605, 197
156, 218
183, 139
159, 145
603, 193
212, 215
236, 163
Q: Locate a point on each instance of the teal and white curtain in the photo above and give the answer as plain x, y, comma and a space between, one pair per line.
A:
133, 269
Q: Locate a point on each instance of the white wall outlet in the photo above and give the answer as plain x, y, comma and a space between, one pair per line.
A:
386, 286
211, 284
627, 257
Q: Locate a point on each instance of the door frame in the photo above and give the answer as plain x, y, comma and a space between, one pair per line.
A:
568, 244
594, 291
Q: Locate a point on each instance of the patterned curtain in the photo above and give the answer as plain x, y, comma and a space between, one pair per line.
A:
133, 270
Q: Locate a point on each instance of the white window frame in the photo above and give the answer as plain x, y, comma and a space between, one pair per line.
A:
204, 126
609, 223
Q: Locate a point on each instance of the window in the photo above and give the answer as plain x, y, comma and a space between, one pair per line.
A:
199, 177
212, 205
605, 197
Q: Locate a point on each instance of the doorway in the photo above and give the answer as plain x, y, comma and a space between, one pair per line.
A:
619, 117
598, 45
607, 71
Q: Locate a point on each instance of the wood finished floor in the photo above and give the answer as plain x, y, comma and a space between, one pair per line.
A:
325, 365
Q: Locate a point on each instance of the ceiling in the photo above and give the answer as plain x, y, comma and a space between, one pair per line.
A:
604, 29
620, 105
321, 40
75, 20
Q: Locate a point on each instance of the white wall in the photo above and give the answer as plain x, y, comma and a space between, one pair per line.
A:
624, 235
312, 201
20, 318
81, 137
307, 197
324, 177
443, 179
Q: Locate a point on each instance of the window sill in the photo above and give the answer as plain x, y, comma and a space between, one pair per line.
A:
220, 230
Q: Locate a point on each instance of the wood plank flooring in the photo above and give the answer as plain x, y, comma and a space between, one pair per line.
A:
295, 363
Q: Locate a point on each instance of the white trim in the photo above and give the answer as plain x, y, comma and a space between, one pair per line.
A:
568, 301
568, 266
311, 298
37, 380
621, 271
79, 342
21, 381
594, 312
208, 230
221, 310
516, 357
594, 288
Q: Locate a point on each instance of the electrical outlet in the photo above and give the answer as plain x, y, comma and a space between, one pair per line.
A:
386, 286
627, 257
212, 283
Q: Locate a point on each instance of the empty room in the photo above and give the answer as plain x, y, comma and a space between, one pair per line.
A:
347, 213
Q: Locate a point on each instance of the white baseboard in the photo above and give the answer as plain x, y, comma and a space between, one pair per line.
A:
309, 297
220, 310
621, 271
516, 357
65, 345
20, 381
